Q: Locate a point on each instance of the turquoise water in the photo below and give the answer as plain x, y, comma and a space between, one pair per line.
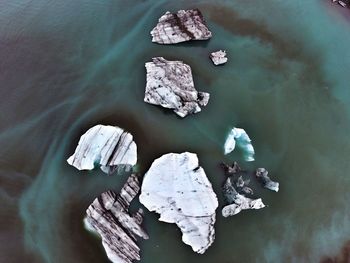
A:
68, 65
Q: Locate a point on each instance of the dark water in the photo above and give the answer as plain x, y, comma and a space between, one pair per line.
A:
67, 65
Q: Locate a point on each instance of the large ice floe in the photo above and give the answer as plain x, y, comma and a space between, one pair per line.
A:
170, 85
177, 188
108, 216
218, 57
106, 146
240, 137
182, 26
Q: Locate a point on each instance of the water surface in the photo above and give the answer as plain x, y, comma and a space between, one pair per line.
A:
68, 65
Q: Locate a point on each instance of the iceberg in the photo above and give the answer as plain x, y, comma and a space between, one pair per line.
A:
170, 85
109, 147
240, 137
262, 175
185, 25
177, 188
108, 216
218, 57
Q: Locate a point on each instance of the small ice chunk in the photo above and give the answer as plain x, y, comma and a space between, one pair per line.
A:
218, 57
239, 136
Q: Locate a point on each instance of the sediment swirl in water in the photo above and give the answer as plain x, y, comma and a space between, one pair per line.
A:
66, 66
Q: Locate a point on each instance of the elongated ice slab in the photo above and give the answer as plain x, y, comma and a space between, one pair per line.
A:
104, 146
177, 188
242, 203
109, 217
240, 137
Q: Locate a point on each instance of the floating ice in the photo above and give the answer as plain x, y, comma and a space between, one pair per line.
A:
240, 137
106, 146
177, 188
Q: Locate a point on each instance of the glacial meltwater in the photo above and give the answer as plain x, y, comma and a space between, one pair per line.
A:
68, 65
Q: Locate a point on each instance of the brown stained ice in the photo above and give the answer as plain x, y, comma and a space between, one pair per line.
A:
108, 216
185, 25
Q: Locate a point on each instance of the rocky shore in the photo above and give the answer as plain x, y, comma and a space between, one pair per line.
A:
236, 201
237, 193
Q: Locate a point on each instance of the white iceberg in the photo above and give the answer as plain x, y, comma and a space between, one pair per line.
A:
177, 188
218, 57
105, 146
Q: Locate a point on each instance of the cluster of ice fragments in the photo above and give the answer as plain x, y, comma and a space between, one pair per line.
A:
236, 201
238, 195
175, 186
170, 83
